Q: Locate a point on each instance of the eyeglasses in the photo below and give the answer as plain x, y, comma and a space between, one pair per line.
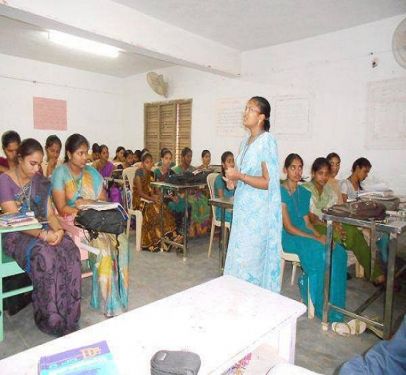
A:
251, 110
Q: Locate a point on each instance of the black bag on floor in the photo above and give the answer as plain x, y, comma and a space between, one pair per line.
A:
167, 362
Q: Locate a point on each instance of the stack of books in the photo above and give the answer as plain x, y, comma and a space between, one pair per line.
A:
16, 220
91, 359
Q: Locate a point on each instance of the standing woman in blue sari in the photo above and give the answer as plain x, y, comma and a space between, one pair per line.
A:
254, 247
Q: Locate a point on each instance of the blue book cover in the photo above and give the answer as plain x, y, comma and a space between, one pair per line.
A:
94, 359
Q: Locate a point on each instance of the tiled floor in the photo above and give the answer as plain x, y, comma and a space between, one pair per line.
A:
157, 275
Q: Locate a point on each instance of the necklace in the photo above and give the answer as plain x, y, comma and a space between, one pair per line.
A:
295, 196
250, 141
78, 185
27, 197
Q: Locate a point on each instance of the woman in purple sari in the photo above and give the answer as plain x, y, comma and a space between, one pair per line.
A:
106, 168
50, 257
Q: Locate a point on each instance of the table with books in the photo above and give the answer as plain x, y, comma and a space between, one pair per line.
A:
395, 226
223, 321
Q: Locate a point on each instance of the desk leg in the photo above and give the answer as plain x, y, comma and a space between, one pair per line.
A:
1, 292
161, 219
327, 271
185, 225
223, 239
287, 341
388, 312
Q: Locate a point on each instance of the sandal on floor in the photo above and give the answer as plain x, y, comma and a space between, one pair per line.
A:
353, 328
178, 238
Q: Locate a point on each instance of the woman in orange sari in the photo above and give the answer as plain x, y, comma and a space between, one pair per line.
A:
146, 200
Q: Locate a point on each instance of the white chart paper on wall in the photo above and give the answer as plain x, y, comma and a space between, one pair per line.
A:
229, 113
291, 116
386, 114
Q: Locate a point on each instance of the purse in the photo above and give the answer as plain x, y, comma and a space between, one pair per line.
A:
362, 210
106, 221
167, 362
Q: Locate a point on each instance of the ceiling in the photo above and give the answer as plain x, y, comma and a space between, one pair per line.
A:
251, 24
31, 42
240, 24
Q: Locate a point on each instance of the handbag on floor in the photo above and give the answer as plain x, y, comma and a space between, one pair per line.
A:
167, 362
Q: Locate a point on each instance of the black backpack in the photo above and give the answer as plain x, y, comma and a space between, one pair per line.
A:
107, 221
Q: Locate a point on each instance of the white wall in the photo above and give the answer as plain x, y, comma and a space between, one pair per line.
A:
95, 103
332, 70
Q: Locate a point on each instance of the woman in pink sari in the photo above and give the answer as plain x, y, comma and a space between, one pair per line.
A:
106, 168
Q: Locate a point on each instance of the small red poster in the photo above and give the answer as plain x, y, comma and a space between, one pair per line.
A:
50, 114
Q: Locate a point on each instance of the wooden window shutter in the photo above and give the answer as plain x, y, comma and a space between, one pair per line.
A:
184, 127
167, 124
151, 128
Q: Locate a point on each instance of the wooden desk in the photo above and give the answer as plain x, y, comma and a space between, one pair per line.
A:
224, 204
178, 188
394, 226
222, 320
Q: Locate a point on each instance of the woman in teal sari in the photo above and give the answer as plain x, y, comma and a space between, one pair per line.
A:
73, 184
301, 238
253, 252
199, 223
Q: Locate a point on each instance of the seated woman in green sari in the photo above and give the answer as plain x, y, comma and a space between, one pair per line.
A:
198, 200
349, 236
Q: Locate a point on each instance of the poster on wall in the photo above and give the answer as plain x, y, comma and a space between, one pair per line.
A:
49, 114
386, 114
291, 116
229, 114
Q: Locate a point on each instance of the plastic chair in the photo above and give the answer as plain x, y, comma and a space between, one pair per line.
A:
128, 177
359, 270
214, 223
294, 259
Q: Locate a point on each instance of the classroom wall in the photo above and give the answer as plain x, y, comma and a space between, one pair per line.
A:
95, 102
332, 71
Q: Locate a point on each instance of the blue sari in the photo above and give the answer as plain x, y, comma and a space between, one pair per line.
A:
253, 252
312, 256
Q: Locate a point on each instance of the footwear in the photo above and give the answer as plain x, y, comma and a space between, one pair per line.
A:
354, 327
178, 239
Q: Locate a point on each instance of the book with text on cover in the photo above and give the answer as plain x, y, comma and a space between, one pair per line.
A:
90, 359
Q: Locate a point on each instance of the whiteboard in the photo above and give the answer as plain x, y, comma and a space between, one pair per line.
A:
386, 114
